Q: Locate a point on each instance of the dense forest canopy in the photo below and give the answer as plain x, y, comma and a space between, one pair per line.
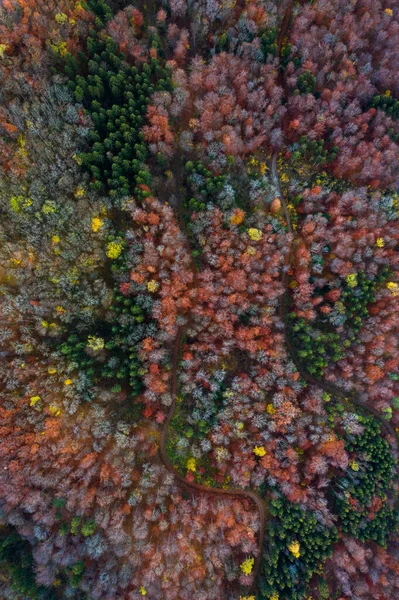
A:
199, 299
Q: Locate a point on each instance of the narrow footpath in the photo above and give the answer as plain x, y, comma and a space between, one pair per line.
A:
328, 387
232, 492
337, 393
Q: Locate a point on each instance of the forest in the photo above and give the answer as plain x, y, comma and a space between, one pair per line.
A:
199, 299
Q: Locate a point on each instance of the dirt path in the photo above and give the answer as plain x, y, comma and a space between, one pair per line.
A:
285, 25
353, 397
232, 492
328, 387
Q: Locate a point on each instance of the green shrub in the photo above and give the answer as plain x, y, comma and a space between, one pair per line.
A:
367, 480
115, 94
356, 299
315, 152
316, 342
16, 562
386, 103
306, 82
88, 528
315, 347
268, 42
296, 546
77, 573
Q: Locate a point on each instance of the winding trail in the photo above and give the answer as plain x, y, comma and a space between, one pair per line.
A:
328, 387
331, 388
232, 492
285, 25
